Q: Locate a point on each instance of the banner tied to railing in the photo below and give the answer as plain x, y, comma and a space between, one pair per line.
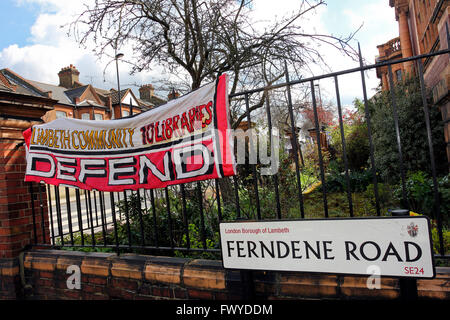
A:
188, 139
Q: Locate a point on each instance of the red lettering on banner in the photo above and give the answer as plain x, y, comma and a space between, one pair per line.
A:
152, 170
175, 128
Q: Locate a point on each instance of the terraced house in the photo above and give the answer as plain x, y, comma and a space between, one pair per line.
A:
77, 100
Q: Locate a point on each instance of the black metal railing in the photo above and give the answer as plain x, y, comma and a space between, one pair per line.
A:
185, 218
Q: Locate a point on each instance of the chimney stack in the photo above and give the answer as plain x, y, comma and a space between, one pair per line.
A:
68, 76
173, 95
146, 92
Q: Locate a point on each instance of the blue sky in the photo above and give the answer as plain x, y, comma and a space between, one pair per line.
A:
33, 44
375, 17
16, 21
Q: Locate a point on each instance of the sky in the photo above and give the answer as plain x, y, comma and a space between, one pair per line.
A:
34, 45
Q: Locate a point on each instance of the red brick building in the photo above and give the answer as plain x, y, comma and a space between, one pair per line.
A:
77, 100
390, 50
422, 29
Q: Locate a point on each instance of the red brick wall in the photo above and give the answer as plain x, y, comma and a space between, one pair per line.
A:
16, 205
434, 74
9, 279
135, 277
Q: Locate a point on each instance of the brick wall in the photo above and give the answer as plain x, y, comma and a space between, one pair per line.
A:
135, 277
9, 279
16, 215
17, 204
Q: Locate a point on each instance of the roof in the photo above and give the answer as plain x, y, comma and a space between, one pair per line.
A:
64, 95
58, 93
12, 82
21, 85
145, 103
90, 103
115, 95
75, 93
4, 84
155, 101
5, 88
102, 91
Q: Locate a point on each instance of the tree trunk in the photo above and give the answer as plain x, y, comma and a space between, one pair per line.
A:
227, 192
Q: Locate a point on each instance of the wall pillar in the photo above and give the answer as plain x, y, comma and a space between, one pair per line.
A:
405, 38
16, 203
384, 82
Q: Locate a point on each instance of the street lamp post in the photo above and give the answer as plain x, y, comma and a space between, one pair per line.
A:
118, 56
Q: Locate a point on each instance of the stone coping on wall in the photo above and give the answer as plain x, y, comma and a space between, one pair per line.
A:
130, 276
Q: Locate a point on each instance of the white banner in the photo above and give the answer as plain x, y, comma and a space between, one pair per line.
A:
185, 140
398, 246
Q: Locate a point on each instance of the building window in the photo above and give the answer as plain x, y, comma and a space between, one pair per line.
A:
85, 116
61, 114
125, 113
98, 116
398, 74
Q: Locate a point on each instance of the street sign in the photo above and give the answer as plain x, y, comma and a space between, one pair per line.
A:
396, 246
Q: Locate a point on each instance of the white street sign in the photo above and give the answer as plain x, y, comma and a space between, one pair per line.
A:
397, 246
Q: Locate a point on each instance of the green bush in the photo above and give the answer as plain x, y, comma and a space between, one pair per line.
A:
87, 241
420, 194
435, 238
356, 139
336, 180
413, 135
385, 197
195, 242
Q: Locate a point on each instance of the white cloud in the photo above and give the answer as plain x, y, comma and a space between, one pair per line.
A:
51, 49
48, 29
37, 62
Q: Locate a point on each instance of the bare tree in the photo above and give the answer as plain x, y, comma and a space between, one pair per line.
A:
204, 38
